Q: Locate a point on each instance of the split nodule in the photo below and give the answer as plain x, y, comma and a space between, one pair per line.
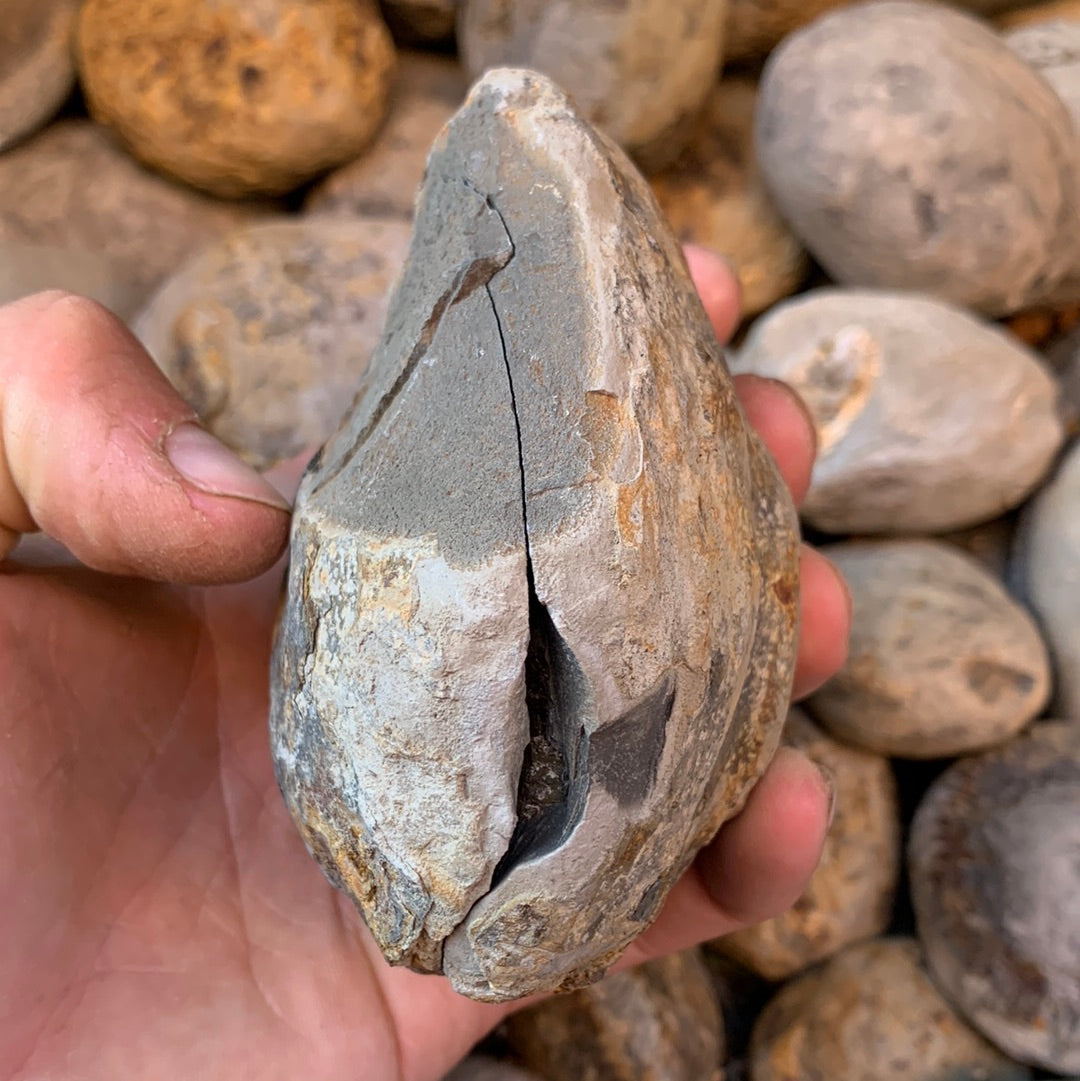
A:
542, 606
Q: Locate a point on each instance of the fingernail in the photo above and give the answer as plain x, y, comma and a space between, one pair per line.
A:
212, 468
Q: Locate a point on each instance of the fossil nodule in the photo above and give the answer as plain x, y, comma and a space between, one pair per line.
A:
539, 632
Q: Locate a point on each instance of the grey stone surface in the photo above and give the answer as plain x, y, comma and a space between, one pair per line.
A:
37, 70
850, 895
384, 180
72, 187
928, 418
541, 610
950, 169
268, 333
659, 1021
31, 268
1046, 571
640, 70
942, 660
869, 1013
996, 885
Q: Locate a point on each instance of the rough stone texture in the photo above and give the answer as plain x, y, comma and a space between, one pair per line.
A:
869, 1013
850, 896
660, 1022
638, 69
755, 27
1047, 573
237, 96
942, 660
385, 178
31, 268
268, 333
928, 419
713, 195
37, 71
72, 187
477, 1068
995, 876
421, 21
577, 568
949, 169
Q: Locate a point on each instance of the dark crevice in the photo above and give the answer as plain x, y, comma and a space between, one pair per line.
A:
554, 776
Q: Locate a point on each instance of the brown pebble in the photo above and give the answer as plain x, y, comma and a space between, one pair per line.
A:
237, 96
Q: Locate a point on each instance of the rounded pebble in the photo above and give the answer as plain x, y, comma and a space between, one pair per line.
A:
237, 96
942, 660
928, 418
950, 169
268, 334
995, 875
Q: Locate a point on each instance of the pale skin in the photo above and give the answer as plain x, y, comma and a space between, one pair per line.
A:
160, 916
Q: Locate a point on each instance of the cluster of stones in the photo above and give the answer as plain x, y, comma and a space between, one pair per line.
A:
237, 179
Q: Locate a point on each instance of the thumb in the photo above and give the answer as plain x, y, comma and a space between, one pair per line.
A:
98, 451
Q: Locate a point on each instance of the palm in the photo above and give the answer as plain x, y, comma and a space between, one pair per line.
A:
152, 859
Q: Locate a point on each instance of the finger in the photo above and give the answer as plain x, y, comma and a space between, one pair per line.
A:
756, 868
778, 415
99, 451
718, 287
825, 622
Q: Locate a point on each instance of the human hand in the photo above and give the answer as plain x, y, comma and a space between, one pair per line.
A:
161, 917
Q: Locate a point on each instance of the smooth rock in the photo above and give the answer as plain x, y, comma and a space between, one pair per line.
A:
942, 660
477, 1068
950, 169
659, 1021
714, 196
421, 22
928, 419
755, 27
33, 268
995, 879
869, 1013
71, 187
385, 178
268, 333
237, 96
539, 630
640, 70
37, 71
1047, 573
850, 895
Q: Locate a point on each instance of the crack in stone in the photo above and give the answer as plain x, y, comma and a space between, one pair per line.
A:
553, 782
472, 276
